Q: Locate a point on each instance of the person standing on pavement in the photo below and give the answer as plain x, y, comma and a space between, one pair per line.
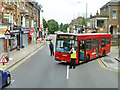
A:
51, 47
73, 58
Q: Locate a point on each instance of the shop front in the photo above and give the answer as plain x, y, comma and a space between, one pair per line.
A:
3, 41
15, 39
24, 37
31, 36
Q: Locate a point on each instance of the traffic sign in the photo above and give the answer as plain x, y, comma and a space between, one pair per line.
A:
7, 32
3, 59
7, 36
2, 9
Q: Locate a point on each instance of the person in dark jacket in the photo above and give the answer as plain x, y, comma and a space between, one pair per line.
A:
51, 47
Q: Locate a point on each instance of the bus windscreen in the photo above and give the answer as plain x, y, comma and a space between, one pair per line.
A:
64, 43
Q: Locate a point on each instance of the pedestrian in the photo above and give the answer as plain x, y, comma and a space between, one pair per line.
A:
51, 47
73, 58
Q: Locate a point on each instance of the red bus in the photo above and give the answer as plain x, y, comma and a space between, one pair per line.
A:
87, 46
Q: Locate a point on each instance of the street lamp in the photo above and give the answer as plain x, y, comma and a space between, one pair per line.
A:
86, 8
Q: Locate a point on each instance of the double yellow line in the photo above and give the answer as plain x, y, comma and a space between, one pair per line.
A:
103, 66
16, 65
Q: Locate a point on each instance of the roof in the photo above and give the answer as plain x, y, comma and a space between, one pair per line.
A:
100, 16
83, 34
112, 2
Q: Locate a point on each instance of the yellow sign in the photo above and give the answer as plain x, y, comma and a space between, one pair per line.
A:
2, 31
66, 37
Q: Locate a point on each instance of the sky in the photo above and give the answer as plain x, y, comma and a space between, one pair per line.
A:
64, 11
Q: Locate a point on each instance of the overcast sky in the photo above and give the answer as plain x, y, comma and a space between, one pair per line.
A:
63, 11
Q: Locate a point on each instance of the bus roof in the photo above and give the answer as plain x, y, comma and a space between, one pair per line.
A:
83, 34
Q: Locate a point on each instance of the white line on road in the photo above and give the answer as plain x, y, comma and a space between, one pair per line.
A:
67, 71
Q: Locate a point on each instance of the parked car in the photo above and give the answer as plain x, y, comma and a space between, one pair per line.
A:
49, 38
5, 78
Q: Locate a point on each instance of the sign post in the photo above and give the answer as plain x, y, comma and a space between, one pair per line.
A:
3, 60
7, 36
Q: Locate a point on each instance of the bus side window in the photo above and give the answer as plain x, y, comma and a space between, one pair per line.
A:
107, 40
93, 43
88, 44
103, 42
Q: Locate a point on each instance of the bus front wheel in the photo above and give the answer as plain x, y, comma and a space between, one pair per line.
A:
87, 58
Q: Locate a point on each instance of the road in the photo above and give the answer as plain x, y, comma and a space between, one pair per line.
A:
42, 71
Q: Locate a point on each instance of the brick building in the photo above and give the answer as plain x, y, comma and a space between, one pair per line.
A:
22, 18
99, 23
76, 21
112, 10
109, 18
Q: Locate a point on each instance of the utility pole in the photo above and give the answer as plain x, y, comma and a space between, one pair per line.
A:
86, 9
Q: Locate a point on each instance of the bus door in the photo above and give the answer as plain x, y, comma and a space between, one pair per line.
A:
81, 50
98, 47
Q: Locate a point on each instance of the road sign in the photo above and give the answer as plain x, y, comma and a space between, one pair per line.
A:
7, 36
2, 9
7, 32
3, 59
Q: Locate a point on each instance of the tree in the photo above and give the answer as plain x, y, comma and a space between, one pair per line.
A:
52, 25
65, 26
61, 27
45, 24
84, 22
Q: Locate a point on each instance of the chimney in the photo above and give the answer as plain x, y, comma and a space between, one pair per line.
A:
97, 13
91, 15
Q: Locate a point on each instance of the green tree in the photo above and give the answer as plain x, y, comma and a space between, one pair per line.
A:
45, 24
65, 26
61, 27
84, 22
52, 26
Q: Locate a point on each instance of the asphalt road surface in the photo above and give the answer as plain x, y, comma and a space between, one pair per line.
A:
42, 71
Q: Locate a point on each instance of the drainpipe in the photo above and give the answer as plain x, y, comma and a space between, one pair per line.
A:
109, 19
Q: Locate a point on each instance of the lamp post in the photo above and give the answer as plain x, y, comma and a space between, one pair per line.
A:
86, 7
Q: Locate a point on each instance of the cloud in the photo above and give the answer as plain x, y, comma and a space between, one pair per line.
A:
63, 11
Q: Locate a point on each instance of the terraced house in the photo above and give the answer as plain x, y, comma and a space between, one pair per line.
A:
22, 18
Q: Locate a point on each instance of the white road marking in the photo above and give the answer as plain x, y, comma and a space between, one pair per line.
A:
12, 81
67, 71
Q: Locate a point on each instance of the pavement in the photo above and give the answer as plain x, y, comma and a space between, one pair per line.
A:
112, 60
16, 56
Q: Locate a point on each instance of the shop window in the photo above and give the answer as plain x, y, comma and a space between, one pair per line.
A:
88, 44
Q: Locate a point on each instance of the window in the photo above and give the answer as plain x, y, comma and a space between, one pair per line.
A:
21, 20
76, 45
65, 45
88, 44
18, 4
93, 43
107, 40
114, 14
103, 42
6, 2
100, 23
9, 1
